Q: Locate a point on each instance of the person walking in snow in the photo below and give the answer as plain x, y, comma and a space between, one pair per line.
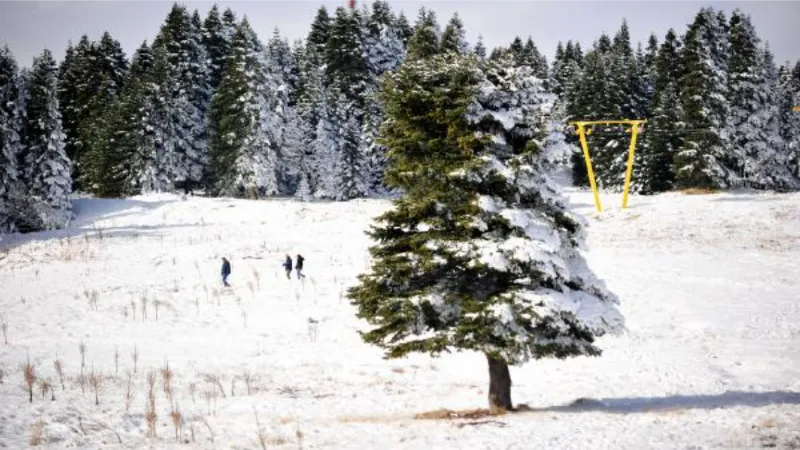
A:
299, 266
288, 266
226, 272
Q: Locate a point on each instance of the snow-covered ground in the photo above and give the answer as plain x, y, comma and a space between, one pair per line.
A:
709, 285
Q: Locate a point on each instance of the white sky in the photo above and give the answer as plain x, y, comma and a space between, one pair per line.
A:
28, 27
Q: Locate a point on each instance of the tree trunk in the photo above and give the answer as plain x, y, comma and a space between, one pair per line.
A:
499, 384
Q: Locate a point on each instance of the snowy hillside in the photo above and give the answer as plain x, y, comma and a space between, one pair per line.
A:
708, 284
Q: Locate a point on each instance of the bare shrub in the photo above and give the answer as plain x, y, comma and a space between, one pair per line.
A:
116, 360
37, 434
135, 357
2, 375
133, 310
29, 377
192, 391
156, 305
97, 383
252, 287
82, 380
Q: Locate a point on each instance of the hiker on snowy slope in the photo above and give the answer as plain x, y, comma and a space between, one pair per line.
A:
226, 272
288, 266
299, 266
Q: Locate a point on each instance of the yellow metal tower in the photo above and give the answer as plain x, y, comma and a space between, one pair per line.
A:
582, 132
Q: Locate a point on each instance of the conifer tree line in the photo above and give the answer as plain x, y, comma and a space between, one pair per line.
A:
718, 108
208, 105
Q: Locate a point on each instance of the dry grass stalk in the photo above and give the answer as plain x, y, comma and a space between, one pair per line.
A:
257, 276
60, 372
130, 394
151, 417
144, 306
133, 310
97, 383
4, 327
135, 358
44, 387
156, 304
262, 435
192, 390
116, 360
82, 350
248, 381
215, 379
29, 376
166, 380
175, 415
2, 375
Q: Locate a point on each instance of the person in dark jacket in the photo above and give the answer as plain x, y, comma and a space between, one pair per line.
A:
226, 272
288, 266
299, 266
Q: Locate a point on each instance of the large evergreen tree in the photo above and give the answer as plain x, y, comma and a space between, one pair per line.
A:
454, 37
704, 160
424, 43
47, 167
10, 140
479, 253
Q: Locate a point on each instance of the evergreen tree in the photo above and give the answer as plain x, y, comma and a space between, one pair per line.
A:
10, 143
383, 43
184, 93
757, 148
344, 53
244, 161
216, 39
789, 92
461, 261
320, 30
350, 168
130, 136
663, 136
454, 37
536, 61
480, 49
703, 158
404, 29
424, 43
47, 166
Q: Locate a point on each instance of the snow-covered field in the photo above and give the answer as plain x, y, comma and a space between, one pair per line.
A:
709, 285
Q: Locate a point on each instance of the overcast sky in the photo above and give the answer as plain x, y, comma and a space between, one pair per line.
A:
27, 27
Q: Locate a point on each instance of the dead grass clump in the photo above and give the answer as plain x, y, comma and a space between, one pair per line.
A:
448, 414
29, 377
37, 434
699, 191
769, 422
